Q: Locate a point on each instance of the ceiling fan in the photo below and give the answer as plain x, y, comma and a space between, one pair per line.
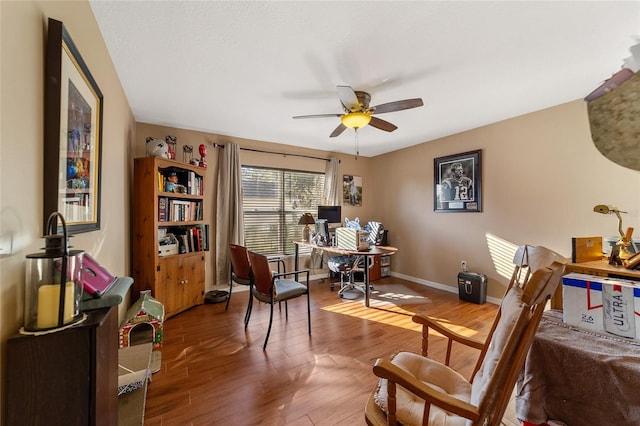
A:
358, 113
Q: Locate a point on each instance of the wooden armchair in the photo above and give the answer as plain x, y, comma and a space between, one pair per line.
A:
409, 380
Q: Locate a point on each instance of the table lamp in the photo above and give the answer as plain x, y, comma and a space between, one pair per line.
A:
620, 251
306, 220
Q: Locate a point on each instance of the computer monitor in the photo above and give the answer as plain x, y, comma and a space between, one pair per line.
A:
332, 214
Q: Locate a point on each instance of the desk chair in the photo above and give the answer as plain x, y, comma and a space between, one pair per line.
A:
269, 287
346, 266
408, 380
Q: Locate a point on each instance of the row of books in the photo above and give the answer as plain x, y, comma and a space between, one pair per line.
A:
188, 179
170, 210
194, 238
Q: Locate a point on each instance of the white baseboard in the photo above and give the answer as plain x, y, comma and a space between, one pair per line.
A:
438, 286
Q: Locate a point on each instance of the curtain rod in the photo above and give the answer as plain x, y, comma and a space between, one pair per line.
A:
217, 145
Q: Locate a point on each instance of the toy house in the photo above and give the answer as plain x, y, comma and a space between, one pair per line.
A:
143, 322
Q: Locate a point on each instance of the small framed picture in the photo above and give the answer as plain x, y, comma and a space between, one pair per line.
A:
352, 190
458, 182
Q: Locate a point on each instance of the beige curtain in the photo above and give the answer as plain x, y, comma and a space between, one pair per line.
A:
229, 223
331, 193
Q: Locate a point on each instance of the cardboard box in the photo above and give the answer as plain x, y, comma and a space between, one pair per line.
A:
352, 239
585, 249
602, 304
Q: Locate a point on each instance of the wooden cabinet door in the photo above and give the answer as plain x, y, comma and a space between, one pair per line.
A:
180, 282
168, 291
374, 272
191, 274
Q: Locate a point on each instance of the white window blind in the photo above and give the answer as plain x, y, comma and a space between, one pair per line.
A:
274, 200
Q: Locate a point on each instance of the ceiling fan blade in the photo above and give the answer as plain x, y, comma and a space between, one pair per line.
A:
317, 115
398, 105
382, 124
338, 130
348, 98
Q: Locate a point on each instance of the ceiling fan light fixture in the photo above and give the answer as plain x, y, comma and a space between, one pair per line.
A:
355, 120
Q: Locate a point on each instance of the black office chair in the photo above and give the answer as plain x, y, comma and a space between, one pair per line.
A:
346, 266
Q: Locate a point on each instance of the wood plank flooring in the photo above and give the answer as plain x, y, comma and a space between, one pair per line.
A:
216, 373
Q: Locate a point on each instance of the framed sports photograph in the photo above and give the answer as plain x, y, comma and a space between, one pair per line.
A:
458, 185
352, 190
73, 135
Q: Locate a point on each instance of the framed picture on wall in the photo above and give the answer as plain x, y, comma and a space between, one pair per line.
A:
458, 185
73, 135
352, 190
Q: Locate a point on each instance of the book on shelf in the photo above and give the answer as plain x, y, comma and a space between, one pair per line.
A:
162, 209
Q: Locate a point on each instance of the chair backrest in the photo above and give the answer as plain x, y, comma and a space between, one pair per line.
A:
262, 275
514, 329
240, 262
526, 260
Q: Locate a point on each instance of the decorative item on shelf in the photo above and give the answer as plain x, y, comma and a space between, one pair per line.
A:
306, 220
621, 250
172, 185
53, 290
203, 154
187, 154
171, 141
157, 148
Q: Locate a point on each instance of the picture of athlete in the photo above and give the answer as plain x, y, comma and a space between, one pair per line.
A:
457, 186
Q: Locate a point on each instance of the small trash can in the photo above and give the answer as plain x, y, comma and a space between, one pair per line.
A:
472, 287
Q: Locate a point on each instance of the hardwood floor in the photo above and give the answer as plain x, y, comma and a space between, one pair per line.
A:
216, 373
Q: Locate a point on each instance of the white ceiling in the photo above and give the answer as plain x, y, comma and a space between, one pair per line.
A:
245, 68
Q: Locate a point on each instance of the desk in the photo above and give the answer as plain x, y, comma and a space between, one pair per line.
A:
596, 267
373, 251
579, 377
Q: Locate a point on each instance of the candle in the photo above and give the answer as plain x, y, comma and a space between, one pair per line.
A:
48, 303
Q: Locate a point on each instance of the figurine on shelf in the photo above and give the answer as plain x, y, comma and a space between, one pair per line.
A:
171, 141
203, 154
172, 185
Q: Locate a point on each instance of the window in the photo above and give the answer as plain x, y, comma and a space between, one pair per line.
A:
274, 200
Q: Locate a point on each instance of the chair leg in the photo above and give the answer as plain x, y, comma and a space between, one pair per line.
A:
229, 296
266, 338
309, 312
247, 314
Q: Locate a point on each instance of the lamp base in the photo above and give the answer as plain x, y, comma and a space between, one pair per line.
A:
306, 233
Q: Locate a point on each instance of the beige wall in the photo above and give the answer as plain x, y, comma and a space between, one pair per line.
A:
541, 178
23, 37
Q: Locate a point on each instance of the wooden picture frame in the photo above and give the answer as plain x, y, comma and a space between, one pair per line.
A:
72, 135
457, 182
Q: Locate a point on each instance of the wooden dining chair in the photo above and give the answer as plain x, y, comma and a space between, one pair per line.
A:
270, 288
414, 389
240, 273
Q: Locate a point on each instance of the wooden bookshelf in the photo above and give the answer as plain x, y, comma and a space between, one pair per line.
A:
177, 277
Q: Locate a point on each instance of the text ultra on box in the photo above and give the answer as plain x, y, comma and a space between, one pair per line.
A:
602, 304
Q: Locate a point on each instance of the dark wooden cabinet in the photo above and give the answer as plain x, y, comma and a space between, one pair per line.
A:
68, 377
